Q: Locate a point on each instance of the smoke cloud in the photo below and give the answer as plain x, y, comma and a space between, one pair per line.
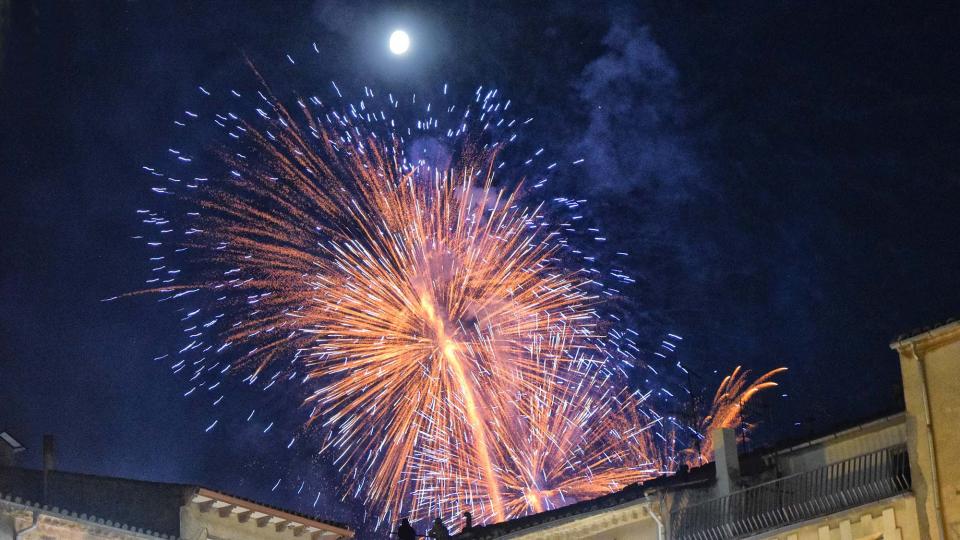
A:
635, 136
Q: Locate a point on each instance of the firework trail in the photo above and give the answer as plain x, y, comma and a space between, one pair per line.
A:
726, 409
450, 357
576, 436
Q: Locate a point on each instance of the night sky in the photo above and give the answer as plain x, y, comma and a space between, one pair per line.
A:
784, 175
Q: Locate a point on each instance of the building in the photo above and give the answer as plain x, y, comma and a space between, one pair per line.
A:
49, 504
893, 478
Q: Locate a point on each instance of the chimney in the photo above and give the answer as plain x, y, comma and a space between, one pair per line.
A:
49, 462
726, 459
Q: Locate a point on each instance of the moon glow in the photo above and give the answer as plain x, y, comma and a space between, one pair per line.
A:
399, 42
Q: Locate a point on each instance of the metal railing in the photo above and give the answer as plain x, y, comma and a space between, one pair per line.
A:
798, 497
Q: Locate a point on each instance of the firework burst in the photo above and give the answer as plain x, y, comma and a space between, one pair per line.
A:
450, 358
405, 295
430, 309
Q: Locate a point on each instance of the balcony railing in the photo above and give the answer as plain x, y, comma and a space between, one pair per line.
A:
798, 497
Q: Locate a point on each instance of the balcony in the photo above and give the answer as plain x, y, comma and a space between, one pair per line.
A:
795, 498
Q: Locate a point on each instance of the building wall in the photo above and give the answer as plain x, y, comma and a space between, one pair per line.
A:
646, 529
890, 519
630, 521
197, 525
876, 436
56, 528
7, 524
929, 365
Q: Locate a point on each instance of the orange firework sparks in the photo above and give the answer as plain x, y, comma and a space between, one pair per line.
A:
561, 434
575, 435
422, 314
403, 298
727, 407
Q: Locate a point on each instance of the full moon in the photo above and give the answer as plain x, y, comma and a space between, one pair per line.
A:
399, 42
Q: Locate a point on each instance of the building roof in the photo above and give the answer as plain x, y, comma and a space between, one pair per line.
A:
926, 333
151, 506
228, 506
699, 475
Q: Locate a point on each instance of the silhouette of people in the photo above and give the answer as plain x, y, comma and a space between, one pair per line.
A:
468, 517
406, 531
439, 530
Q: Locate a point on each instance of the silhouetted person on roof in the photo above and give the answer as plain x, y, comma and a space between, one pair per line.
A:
406, 532
439, 530
468, 517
